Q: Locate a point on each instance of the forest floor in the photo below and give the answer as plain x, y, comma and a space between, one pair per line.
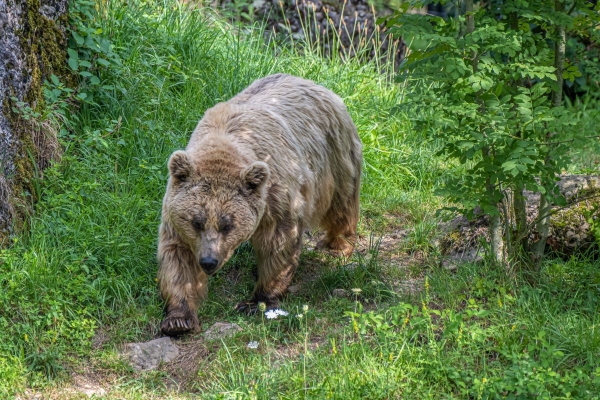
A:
82, 282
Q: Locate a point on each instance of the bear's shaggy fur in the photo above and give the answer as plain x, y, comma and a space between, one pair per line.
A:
280, 157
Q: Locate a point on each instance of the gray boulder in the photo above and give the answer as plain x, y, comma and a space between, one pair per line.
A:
149, 355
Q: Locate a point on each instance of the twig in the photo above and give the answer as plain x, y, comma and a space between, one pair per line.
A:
545, 144
571, 140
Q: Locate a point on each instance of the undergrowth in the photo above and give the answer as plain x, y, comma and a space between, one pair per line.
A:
81, 282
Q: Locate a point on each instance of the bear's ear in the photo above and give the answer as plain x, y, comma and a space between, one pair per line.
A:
256, 175
180, 165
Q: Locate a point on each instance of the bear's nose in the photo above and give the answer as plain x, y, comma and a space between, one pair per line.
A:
208, 264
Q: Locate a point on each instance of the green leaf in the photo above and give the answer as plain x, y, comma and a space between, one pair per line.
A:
102, 61
532, 50
104, 46
73, 54
73, 64
55, 80
78, 38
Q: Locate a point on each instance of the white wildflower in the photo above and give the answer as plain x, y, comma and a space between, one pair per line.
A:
305, 308
253, 345
299, 316
356, 290
273, 314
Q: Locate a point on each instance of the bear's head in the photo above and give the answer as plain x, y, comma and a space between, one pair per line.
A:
215, 205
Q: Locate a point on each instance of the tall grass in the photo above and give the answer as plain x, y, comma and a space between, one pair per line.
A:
86, 269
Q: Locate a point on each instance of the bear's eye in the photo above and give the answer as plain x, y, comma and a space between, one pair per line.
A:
225, 224
198, 223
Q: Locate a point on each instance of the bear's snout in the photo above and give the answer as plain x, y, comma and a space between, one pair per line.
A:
209, 264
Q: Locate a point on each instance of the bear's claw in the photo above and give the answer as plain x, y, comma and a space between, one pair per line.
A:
247, 307
252, 307
338, 248
174, 326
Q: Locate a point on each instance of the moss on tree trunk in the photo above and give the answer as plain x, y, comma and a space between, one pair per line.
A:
34, 48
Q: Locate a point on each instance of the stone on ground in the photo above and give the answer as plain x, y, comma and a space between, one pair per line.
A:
294, 289
221, 330
339, 293
149, 355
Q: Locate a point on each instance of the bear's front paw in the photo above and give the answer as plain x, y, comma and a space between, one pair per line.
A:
252, 306
337, 247
177, 325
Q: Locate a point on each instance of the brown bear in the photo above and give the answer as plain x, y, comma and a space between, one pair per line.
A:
281, 157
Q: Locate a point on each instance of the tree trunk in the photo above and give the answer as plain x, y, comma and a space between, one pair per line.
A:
520, 235
497, 248
32, 47
543, 221
517, 243
497, 245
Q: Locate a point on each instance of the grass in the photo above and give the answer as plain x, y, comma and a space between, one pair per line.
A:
81, 282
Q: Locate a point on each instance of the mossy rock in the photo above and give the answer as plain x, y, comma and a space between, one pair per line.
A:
570, 227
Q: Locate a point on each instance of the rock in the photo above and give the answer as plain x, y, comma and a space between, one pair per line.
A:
294, 289
47, 11
100, 337
452, 261
221, 330
352, 266
87, 386
339, 293
91, 392
348, 24
149, 355
570, 231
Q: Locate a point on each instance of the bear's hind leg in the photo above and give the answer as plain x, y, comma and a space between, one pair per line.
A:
182, 286
340, 223
276, 267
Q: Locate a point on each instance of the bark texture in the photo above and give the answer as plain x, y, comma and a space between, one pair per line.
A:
32, 47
